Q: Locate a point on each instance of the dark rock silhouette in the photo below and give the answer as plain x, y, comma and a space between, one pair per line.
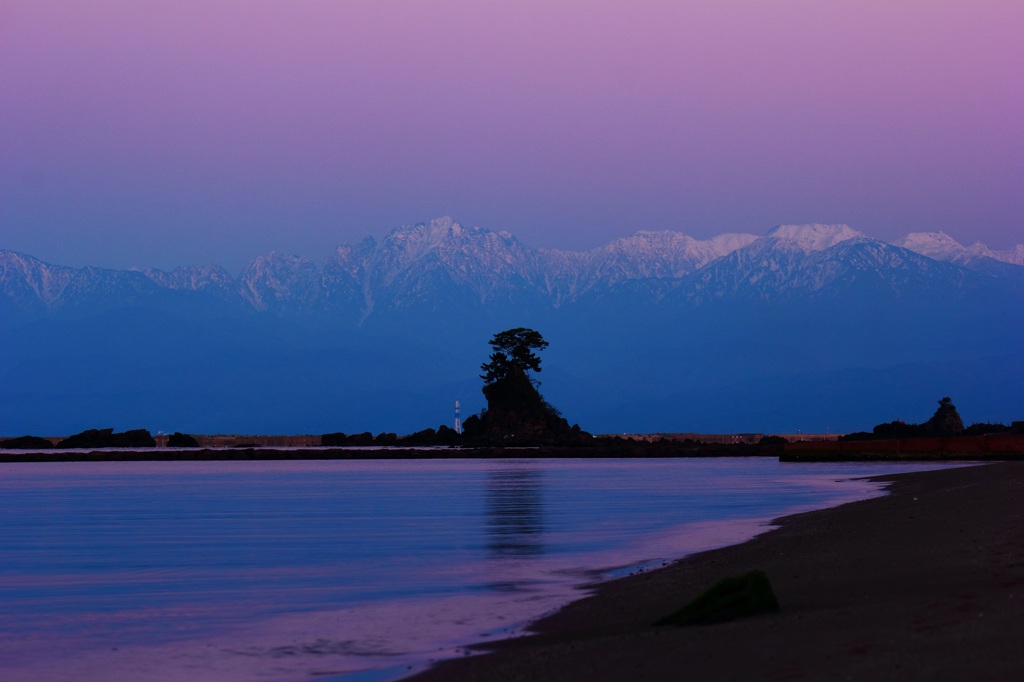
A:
446, 435
516, 412
106, 438
386, 439
982, 428
944, 423
897, 429
181, 440
424, 437
334, 439
443, 435
26, 443
729, 599
357, 439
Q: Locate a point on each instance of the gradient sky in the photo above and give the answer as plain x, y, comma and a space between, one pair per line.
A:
167, 132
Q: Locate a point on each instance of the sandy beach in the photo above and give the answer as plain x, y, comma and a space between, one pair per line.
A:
926, 583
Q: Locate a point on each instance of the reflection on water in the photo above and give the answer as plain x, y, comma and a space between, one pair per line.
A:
515, 511
299, 570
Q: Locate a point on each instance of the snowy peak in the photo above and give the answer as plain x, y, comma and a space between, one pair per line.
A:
441, 235
940, 246
443, 238
663, 255
724, 244
31, 281
937, 245
815, 236
650, 254
774, 269
678, 253
1014, 255
415, 241
447, 244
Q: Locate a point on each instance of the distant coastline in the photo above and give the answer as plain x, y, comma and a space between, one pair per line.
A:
235, 440
625, 449
817, 448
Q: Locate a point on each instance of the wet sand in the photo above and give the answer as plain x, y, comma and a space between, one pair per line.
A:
926, 583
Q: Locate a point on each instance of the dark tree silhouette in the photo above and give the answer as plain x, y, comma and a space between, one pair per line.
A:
516, 412
945, 422
513, 354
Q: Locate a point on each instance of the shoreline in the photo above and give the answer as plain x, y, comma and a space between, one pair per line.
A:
926, 582
616, 451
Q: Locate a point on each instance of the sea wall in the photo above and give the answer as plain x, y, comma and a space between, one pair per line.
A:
997, 446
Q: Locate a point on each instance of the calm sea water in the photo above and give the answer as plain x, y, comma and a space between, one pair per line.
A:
345, 570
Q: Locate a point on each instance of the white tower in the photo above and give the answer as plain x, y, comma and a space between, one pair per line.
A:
458, 420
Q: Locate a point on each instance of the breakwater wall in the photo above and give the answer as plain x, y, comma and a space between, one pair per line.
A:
998, 446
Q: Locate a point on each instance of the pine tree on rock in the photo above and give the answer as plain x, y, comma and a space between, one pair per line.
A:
945, 422
513, 354
516, 412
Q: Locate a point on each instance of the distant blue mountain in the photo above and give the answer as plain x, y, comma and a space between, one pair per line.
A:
812, 327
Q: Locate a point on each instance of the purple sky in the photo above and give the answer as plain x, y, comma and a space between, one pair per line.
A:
188, 131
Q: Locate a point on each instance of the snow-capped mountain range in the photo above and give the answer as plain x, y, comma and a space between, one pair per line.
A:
941, 246
442, 261
807, 327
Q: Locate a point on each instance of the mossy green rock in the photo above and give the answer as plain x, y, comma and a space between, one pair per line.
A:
729, 599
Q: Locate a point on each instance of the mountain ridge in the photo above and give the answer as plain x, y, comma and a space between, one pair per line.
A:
414, 263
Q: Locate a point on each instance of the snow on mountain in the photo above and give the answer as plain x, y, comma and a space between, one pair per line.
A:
941, 246
414, 262
29, 281
665, 254
726, 243
815, 236
33, 284
757, 270
937, 245
874, 263
1014, 255
93, 288
344, 280
444, 265
773, 269
277, 281
766, 267
205, 278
